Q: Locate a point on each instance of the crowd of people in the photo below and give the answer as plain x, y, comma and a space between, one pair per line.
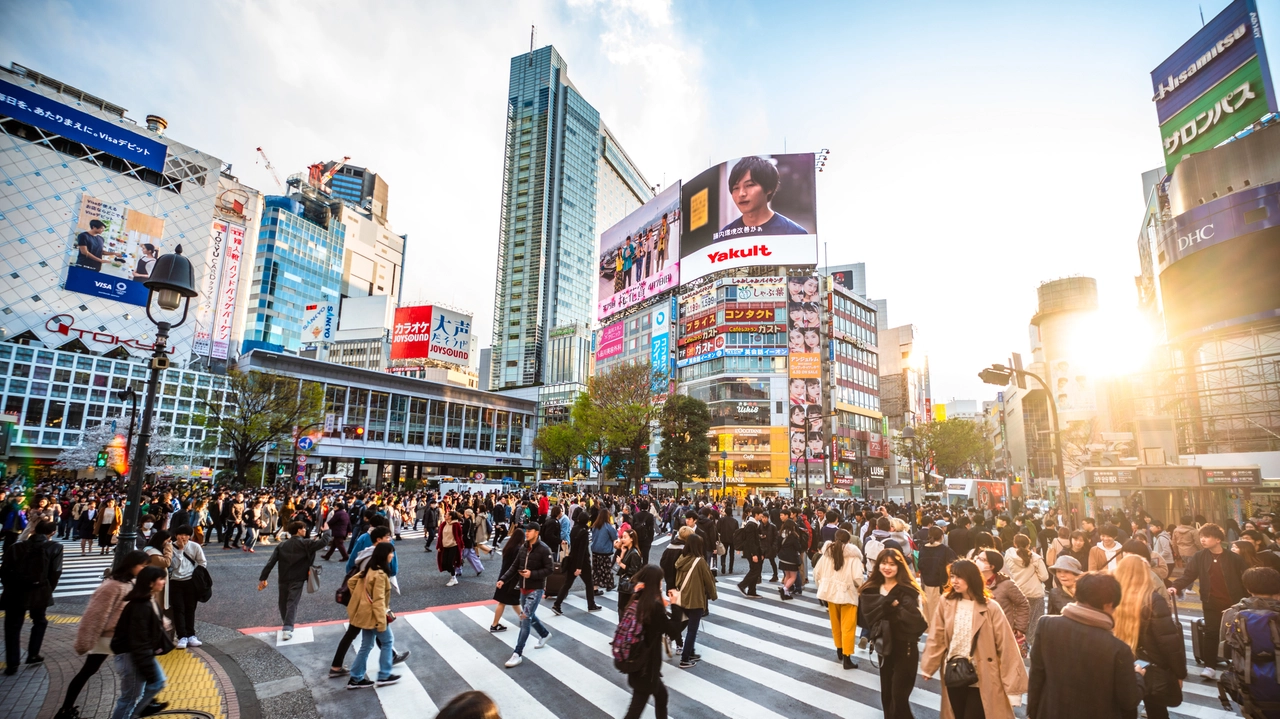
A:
997, 605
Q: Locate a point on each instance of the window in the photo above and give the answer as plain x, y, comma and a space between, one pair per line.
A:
436, 423
417, 421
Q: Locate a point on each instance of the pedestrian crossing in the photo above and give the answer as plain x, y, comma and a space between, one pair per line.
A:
760, 658
81, 574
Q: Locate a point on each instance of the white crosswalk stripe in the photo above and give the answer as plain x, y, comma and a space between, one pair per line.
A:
760, 658
81, 574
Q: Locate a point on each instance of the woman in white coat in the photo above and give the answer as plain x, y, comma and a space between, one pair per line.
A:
839, 574
1028, 571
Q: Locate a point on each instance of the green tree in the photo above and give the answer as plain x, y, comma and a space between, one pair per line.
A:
685, 422
560, 444
617, 418
952, 448
259, 409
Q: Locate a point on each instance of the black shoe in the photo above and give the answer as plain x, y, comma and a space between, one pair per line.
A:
333, 673
362, 684
400, 657
557, 610
839, 655
37, 659
391, 679
10, 671
774, 578
498, 628
596, 608
850, 663
153, 708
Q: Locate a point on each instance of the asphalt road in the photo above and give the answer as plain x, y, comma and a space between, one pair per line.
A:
238, 604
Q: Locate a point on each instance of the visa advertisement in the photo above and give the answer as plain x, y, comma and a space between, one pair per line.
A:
1217, 84
749, 211
113, 251
639, 257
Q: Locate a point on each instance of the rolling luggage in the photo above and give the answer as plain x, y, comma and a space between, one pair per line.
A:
1197, 641
554, 581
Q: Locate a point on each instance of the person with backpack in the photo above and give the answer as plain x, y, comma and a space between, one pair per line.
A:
377, 536
370, 611
29, 574
1221, 586
1248, 630
637, 643
295, 556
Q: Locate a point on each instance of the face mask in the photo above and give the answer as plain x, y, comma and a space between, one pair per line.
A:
146, 525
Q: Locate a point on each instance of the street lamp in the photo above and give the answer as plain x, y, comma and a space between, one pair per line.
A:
999, 375
171, 285
909, 436
866, 470
723, 457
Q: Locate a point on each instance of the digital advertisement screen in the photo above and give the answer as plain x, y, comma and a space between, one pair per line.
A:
749, 211
639, 257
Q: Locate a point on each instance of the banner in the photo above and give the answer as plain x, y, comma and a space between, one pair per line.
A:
660, 350
213, 272
113, 251
319, 322
411, 334
225, 310
754, 210
431, 332
639, 257
804, 384
609, 341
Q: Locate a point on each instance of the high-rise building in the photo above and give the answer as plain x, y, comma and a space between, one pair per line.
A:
565, 177
360, 187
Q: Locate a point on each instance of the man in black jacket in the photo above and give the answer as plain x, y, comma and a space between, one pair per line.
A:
30, 573
959, 537
1060, 684
295, 556
531, 568
752, 552
643, 524
726, 528
1221, 585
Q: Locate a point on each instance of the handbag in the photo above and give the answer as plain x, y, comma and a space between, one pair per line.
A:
719, 548
675, 593
313, 579
391, 616
959, 672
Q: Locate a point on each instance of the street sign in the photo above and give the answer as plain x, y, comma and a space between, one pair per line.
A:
330, 422
305, 443
644, 488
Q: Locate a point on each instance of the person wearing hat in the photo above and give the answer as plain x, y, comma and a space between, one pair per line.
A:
530, 569
1066, 570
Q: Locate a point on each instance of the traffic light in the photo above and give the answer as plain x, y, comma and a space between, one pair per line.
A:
102, 459
279, 470
353, 431
362, 459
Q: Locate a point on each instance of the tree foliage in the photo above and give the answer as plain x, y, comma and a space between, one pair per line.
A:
560, 444
161, 451
260, 408
685, 449
954, 448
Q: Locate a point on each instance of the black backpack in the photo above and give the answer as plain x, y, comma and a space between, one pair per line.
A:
342, 595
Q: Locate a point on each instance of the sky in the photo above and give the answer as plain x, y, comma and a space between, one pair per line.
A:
978, 149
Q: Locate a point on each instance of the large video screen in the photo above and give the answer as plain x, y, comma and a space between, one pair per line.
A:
1229, 283
639, 257
754, 210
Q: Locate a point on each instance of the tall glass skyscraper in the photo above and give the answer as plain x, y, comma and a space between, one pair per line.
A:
564, 179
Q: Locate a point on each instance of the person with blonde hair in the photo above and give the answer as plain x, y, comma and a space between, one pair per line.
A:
1144, 621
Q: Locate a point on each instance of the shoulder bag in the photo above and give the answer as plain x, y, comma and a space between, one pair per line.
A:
675, 593
959, 672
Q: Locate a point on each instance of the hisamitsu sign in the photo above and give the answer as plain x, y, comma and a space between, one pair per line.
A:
35, 109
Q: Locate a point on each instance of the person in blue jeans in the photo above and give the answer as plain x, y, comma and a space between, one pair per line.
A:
369, 609
139, 636
531, 568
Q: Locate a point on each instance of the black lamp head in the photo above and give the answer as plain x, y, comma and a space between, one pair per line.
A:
172, 278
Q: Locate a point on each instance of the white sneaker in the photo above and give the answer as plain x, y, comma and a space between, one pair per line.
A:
514, 661
286, 636
182, 643
542, 641
1208, 673
193, 642
453, 581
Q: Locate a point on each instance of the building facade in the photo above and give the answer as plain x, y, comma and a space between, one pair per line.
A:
565, 177
859, 437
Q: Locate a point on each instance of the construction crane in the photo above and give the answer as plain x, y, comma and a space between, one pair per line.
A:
324, 179
270, 168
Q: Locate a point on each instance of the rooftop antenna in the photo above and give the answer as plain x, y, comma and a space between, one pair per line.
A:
533, 31
1201, 15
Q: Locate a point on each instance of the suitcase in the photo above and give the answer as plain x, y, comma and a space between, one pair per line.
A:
1197, 641
554, 581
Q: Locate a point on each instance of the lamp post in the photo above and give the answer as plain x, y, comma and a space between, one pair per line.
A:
724, 456
866, 469
909, 436
171, 285
999, 375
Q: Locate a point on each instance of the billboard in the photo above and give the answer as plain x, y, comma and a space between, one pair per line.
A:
431, 332
113, 251
754, 210
609, 340
100, 134
804, 380
222, 276
1215, 85
639, 257
660, 349
320, 322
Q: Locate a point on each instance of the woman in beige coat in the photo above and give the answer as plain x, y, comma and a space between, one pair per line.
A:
370, 610
972, 625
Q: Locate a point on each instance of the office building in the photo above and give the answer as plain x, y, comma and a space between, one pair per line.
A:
851, 376
358, 187
565, 177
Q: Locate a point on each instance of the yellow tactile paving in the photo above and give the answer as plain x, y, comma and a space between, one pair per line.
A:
57, 618
191, 685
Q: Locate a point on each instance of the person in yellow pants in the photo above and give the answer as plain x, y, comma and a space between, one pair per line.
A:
839, 574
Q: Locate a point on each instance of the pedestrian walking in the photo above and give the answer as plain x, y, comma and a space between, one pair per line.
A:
1028, 571
1102, 686
839, 574
726, 529
1065, 573
98, 625
1014, 604
29, 574
576, 565
749, 539
377, 536
469, 527
791, 547
695, 588
106, 526
628, 563
138, 637
183, 593
533, 564
971, 630
509, 595
431, 522
339, 526
603, 535
85, 520
295, 556
1221, 585
890, 610
370, 611
1144, 621
933, 561
450, 557
648, 610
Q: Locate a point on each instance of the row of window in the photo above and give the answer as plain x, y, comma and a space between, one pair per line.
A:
418, 421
